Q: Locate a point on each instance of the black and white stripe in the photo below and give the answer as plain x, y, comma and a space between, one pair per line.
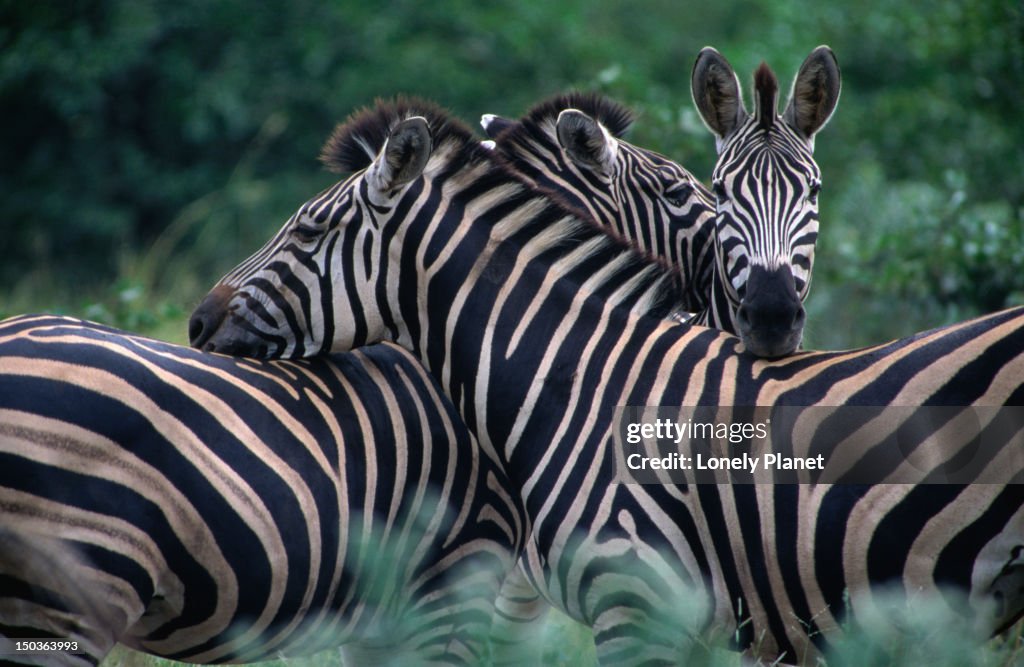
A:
211, 509
538, 326
571, 147
755, 233
766, 187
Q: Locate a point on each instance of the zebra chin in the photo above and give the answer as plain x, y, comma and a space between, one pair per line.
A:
237, 347
237, 342
771, 345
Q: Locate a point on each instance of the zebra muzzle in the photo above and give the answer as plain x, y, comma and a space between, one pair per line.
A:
770, 318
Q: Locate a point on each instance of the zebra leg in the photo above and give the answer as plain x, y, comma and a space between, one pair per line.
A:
519, 615
628, 636
646, 618
637, 650
446, 623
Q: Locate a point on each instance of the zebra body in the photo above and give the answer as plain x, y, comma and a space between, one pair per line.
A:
571, 147
538, 326
218, 509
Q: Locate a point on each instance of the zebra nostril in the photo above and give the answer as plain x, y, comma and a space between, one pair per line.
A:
799, 317
195, 330
201, 327
208, 315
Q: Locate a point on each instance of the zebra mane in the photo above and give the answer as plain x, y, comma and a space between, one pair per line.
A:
615, 117
355, 143
766, 91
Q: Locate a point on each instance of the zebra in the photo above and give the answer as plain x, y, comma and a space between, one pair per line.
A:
211, 509
539, 326
571, 146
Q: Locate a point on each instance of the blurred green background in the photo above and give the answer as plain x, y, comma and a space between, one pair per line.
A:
149, 147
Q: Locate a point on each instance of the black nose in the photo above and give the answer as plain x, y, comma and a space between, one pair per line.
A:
757, 316
208, 315
771, 317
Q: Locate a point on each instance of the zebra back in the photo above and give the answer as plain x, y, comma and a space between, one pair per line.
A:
221, 509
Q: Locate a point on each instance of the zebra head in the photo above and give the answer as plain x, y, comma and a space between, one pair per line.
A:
571, 146
294, 297
766, 187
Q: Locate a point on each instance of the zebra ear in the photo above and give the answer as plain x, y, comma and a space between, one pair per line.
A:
815, 93
586, 142
404, 155
716, 93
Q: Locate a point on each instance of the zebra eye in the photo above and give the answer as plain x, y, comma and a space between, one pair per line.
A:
678, 196
812, 190
305, 233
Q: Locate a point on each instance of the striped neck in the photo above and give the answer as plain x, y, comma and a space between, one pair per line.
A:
636, 195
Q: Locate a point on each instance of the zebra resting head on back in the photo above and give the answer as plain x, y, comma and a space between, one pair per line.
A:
766, 187
414, 137
539, 326
572, 147
210, 509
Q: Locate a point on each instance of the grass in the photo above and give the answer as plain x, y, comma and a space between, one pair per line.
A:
926, 638
565, 643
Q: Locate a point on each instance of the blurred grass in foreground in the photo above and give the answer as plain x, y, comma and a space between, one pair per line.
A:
900, 634
565, 644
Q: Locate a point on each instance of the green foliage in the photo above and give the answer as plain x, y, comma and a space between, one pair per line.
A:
155, 144
899, 634
934, 254
920, 632
126, 308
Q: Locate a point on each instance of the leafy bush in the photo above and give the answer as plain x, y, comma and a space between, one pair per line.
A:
194, 127
912, 255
